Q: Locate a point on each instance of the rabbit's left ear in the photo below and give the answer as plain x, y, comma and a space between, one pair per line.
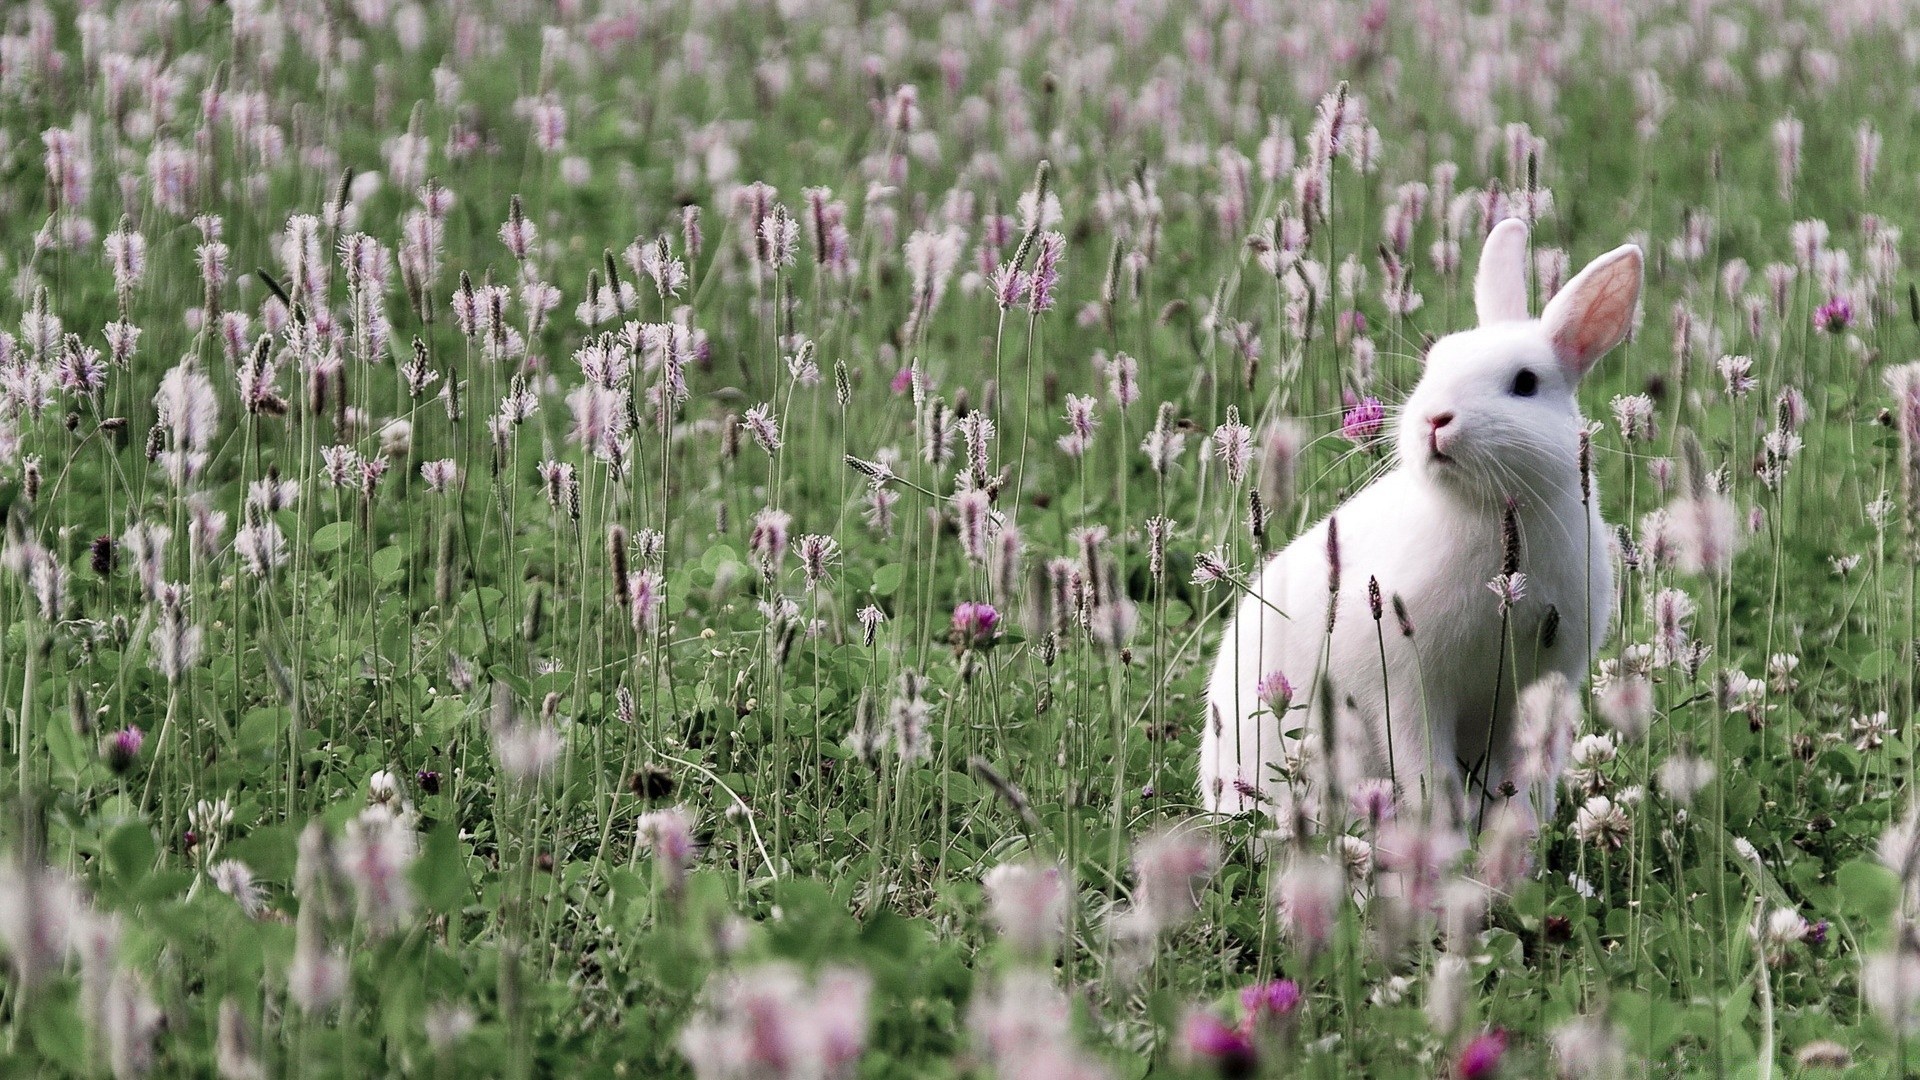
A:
1594, 311
1500, 286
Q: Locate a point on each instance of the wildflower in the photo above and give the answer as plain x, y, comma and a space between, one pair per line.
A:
1588, 1048
907, 717
768, 540
1264, 1005
771, 1022
1046, 271
1081, 422
1870, 731
1602, 822
1210, 566
235, 878
1634, 416
440, 474
375, 853
817, 556
1308, 898
1165, 441
1210, 1042
1626, 703
1123, 380
1275, 692
38, 908
122, 748
1233, 445
262, 548
1890, 982
236, 1046
1169, 867
1506, 846
132, 1020
317, 978
448, 1024
1587, 763
1737, 373
870, 618
1027, 902
525, 751
1419, 854
974, 622
668, 834
972, 510
1480, 1058
1834, 317
1363, 420
1373, 800
765, 429
1682, 776
1509, 589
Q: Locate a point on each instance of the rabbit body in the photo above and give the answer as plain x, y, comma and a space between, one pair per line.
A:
1488, 458
1429, 711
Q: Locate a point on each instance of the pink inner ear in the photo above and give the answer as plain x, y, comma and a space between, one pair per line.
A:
1601, 321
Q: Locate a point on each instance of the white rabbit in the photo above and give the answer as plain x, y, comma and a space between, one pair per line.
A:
1492, 423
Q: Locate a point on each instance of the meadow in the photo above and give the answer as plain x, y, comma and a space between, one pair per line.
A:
629, 538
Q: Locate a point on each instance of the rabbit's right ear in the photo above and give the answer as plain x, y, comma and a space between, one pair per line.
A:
1500, 287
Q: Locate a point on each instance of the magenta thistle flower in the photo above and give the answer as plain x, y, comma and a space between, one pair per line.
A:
1480, 1058
975, 621
122, 748
1267, 1001
1364, 420
1210, 1041
1835, 316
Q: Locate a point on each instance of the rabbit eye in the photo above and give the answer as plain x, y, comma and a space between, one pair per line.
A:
1525, 383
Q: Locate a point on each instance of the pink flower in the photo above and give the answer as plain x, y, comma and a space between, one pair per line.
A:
1363, 420
974, 621
1275, 692
1835, 316
122, 748
1210, 1041
1264, 1002
1480, 1058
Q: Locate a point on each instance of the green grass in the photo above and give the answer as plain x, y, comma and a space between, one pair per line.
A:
413, 632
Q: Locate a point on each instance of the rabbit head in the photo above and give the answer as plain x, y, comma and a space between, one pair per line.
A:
1495, 413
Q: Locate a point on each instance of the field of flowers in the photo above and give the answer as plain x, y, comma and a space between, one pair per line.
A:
628, 538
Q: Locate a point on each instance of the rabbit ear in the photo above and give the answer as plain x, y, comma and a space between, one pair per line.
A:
1594, 311
1500, 288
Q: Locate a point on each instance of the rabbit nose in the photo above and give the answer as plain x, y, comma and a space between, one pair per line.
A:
1439, 420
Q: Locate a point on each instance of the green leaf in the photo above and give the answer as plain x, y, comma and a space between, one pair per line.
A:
441, 871
390, 562
1867, 890
130, 852
332, 537
887, 579
64, 745
261, 727
268, 851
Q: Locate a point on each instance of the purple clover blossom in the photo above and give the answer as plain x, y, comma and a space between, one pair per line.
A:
1210, 1041
1275, 692
1363, 420
1835, 316
122, 748
1480, 1058
975, 621
1268, 1000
